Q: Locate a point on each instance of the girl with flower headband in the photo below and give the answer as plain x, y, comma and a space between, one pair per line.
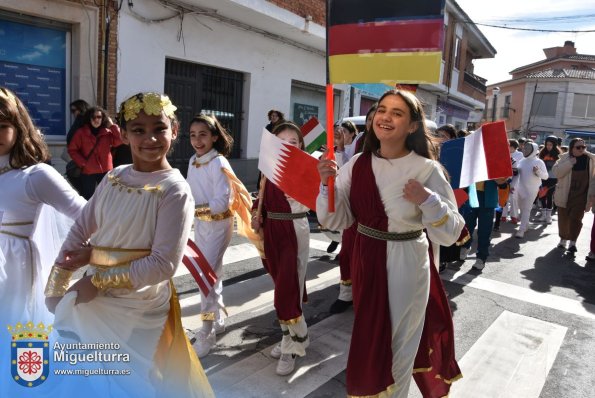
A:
31, 231
218, 193
136, 227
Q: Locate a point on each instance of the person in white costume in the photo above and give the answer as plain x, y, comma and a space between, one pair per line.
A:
213, 219
37, 207
29, 187
135, 227
406, 191
531, 171
511, 208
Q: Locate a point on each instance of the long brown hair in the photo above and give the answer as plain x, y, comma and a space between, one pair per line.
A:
224, 143
29, 148
420, 140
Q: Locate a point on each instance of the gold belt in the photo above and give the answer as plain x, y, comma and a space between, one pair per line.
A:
105, 257
13, 234
203, 213
15, 224
285, 216
382, 235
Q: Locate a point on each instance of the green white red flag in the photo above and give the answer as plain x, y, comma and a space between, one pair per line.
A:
314, 135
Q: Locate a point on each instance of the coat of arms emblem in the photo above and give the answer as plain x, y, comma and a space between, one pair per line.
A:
29, 348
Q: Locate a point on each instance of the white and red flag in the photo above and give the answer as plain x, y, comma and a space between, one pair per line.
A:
292, 170
482, 155
199, 268
314, 135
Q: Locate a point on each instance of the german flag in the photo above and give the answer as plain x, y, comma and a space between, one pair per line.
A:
385, 41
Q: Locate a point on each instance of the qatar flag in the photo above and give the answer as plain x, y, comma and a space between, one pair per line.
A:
292, 170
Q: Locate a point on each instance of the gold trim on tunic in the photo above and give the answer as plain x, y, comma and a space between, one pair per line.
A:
383, 394
207, 316
291, 321
440, 222
15, 235
285, 216
58, 282
203, 213
15, 224
346, 282
383, 235
5, 169
112, 278
105, 257
464, 240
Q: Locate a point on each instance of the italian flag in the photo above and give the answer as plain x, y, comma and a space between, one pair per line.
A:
314, 135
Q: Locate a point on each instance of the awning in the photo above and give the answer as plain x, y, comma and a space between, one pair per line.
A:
579, 133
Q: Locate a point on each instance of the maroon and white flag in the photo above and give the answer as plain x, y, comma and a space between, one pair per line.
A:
292, 170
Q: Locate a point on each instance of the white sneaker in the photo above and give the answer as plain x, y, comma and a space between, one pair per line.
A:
479, 264
286, 364
464, 253
276, 351
519, 234
218, 328
204, 343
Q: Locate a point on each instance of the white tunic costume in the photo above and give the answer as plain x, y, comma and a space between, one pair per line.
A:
213, 228
150, 212
30, 237
407, 261
527, 184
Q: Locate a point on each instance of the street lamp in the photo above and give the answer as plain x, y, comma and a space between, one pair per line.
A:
495, 91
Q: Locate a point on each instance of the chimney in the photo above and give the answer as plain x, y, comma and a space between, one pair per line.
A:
554, 52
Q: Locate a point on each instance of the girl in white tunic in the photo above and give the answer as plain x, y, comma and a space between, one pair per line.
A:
136, 225
398, 190
27, 184
208, 172
31, 232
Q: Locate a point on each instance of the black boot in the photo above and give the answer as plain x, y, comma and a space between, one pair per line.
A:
332, 247
340, 306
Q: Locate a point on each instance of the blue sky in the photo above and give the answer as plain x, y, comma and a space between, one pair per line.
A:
518, 48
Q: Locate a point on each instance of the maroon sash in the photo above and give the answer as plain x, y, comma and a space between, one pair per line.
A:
370, 355
281, 251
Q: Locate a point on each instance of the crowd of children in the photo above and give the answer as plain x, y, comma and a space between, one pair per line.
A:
133, 231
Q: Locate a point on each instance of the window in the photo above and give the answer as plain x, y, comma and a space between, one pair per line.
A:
457, 52
584, 106
506, 109
544, 104
33, 59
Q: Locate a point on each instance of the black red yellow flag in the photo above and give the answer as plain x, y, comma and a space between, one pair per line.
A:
385, 41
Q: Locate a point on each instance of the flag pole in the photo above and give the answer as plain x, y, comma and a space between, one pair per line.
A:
330, 131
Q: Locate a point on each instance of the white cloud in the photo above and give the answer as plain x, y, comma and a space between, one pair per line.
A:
30, 57
43, 48
517, 48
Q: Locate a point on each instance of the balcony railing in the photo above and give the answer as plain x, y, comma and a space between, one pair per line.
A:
475, 81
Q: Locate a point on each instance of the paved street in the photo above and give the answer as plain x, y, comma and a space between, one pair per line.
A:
524, 326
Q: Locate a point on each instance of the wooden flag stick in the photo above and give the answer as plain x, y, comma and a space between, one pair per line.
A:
330, 143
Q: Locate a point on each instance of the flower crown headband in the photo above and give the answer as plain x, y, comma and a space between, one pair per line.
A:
151, 103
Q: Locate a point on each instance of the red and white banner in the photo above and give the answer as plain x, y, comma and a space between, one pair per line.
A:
292, 170
199, 267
